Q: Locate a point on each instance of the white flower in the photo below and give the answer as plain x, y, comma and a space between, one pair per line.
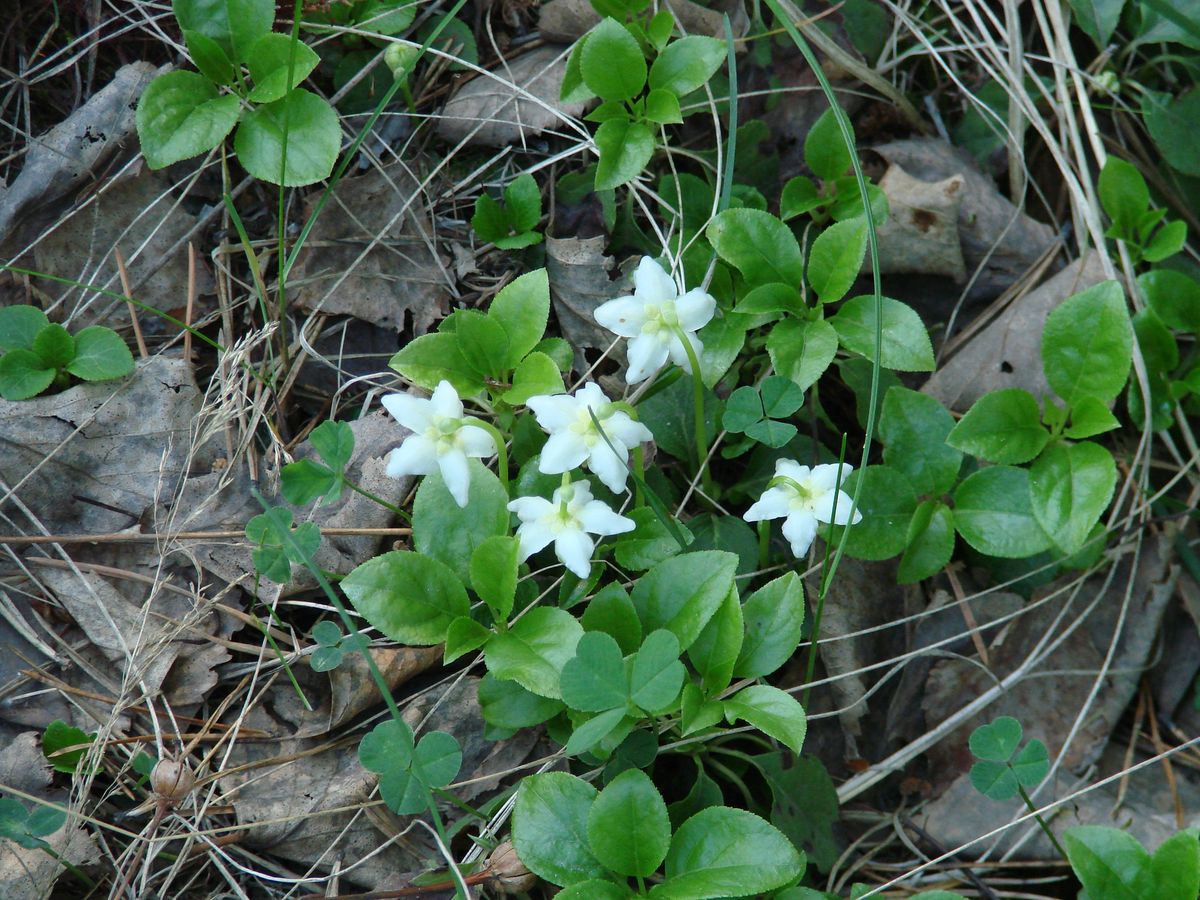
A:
805, 496
654, 319
567, 520
440, 440
574, 439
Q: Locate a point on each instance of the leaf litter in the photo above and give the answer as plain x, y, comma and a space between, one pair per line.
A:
140, 624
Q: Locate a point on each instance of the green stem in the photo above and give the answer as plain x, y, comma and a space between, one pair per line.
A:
501, 446
697, 410
70, 867
1041, 822
826, 577
764, 543
639, 461
358, 489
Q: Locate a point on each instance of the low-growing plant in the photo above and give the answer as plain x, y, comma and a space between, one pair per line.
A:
248, 77
39, 354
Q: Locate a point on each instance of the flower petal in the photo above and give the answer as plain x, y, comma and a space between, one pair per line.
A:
825, 511
789, 468
800, 528
623, 316
824, 478
554, 411
563, 452
608, 466
646, 354
775, 503
416, 456
411, 412
475, 441
574, 550
456, 472
532, 537
620, 427
679, 354
695, 309
445, 402
652, 284
597, 518
530, 509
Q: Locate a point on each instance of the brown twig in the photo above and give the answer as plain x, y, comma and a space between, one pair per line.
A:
126, 537
137, 327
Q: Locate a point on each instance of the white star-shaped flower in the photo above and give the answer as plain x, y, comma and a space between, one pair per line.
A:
575, 441
440, 439
805, 496
567, 520
655, 319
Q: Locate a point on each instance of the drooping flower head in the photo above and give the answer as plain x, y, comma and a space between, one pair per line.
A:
656, 320
805, 497
575, 440
440, 439
568, 520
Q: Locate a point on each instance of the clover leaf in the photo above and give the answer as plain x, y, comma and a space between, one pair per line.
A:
409, 770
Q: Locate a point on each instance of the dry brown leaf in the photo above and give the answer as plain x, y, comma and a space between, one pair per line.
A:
995, 234
139, 215
579, 282
921, 233
117, 443
219, 501
1008, 351
71, 152
1046, 707
517, 102
372, 254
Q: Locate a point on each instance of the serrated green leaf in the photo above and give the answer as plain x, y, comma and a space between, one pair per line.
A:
181, 115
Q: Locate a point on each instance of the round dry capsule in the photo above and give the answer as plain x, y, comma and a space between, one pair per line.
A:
172, 779
509, 875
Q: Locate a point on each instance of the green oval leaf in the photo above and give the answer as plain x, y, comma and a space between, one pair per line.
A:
180, 115
625, 149
269, 60
758, 245
802, 350
836, 258
19, 325
1004, 426
449, 533
594, 679
409, 597
1070, 487
687, 64
233, 24
533, 652
23, 375
773, 620
913, 427
628, 828
612, 63
774, 712
906, 346
309, 128
682, 593
1087, 344
992, 512
726, 852
549, 828
100, 355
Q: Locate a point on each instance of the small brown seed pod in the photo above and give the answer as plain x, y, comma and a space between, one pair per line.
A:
171, 779
509, 875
